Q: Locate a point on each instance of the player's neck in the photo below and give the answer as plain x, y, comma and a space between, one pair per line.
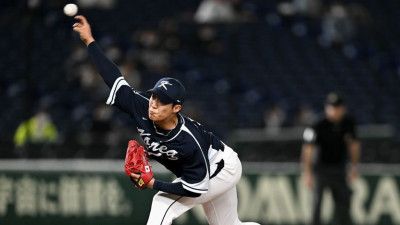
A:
169, 123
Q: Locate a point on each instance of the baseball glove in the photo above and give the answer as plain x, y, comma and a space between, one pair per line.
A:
136, 162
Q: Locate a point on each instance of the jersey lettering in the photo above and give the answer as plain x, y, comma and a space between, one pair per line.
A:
155, 148
158, 150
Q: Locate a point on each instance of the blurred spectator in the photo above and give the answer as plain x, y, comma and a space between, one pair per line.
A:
102, 4
274, 118
169, 33
242, 13
310, 8
286, 9
207, 40
305, 116
337, 25
152, 56
131, 74
101, 122
87, 76
36, 130
360, 14
215, 11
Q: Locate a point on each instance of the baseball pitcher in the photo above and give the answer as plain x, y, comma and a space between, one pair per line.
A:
207, 170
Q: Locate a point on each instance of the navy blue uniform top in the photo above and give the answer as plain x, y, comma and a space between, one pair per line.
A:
186, 150
331, 140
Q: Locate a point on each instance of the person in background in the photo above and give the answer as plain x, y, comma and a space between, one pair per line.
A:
328, 145
37, 131
215, 11
274, 118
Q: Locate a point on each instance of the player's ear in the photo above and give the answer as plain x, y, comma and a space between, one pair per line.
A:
176, 108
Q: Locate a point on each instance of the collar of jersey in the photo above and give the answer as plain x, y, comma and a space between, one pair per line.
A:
175, 132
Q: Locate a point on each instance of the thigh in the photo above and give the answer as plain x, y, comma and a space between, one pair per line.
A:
220, 202
222, 210
225, 180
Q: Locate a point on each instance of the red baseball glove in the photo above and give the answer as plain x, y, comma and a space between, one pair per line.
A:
136, 162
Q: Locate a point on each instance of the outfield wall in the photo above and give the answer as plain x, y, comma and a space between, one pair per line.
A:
98, 192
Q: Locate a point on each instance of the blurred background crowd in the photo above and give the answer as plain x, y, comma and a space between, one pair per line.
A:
259, 64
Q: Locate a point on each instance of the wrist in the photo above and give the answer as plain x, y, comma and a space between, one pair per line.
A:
151, 183
88, 41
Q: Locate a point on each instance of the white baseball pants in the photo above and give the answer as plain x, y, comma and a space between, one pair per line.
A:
219, 203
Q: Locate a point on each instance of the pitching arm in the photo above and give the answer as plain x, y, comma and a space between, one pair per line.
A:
121, 95
106, 68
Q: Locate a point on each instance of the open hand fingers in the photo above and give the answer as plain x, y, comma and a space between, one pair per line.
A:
83, 28
81, 19
81, 22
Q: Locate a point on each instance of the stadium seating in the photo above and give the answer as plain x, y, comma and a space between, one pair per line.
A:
258, 64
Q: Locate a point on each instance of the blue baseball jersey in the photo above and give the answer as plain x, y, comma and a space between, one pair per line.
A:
186, 150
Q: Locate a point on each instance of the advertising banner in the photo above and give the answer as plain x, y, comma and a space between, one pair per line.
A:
98, 197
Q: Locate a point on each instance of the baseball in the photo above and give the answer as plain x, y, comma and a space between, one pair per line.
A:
70, 9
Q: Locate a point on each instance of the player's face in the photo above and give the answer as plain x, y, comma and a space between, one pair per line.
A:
335, 113
159, 111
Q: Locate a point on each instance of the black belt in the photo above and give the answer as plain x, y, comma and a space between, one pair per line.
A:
220, 166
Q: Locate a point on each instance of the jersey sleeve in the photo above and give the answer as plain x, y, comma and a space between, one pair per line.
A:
121, 95
127, 99
351, 128
310, 135
195, 176
173, 188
